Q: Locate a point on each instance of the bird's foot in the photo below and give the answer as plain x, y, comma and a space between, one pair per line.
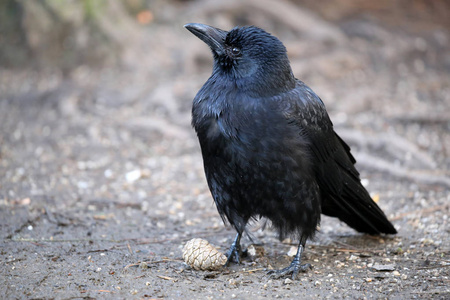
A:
294, 268
233, 254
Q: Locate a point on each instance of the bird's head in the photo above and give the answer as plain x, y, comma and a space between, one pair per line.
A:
254, 59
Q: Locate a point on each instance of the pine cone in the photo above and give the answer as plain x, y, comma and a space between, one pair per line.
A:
201, 255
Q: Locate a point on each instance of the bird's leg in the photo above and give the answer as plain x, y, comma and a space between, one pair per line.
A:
295, 267
234, 252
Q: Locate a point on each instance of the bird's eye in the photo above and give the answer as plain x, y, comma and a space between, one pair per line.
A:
235, 51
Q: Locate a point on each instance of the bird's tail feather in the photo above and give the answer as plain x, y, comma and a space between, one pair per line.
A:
355, 207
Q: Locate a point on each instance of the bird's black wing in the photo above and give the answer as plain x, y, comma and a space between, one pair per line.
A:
342, 193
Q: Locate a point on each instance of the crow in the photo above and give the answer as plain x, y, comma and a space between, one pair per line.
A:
269, 148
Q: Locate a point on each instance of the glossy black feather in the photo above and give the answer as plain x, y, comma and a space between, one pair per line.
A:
268, 145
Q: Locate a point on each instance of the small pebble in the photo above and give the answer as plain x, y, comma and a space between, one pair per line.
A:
108, 173
288, 281
388, 267
292, 251
251, 250
133, 175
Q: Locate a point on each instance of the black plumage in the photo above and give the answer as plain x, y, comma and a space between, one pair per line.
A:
269, 147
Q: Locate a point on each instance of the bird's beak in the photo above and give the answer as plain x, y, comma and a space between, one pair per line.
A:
213, 37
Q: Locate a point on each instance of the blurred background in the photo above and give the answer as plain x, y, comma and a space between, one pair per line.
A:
95, 99
92, 68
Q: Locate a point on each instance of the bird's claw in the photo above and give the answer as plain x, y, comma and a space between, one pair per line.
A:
294, 268
233, 255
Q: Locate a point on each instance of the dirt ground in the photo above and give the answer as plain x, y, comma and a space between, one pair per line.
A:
101, 176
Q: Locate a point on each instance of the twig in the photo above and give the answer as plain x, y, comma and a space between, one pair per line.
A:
253, 270
353, 250
167, 278
131, 265
152, 262
100, 291
165, 260
12, 260
98, 250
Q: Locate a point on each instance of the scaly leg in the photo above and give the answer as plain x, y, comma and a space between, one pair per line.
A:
295, 267
233, 253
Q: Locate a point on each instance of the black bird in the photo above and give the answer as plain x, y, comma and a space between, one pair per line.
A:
268, 145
